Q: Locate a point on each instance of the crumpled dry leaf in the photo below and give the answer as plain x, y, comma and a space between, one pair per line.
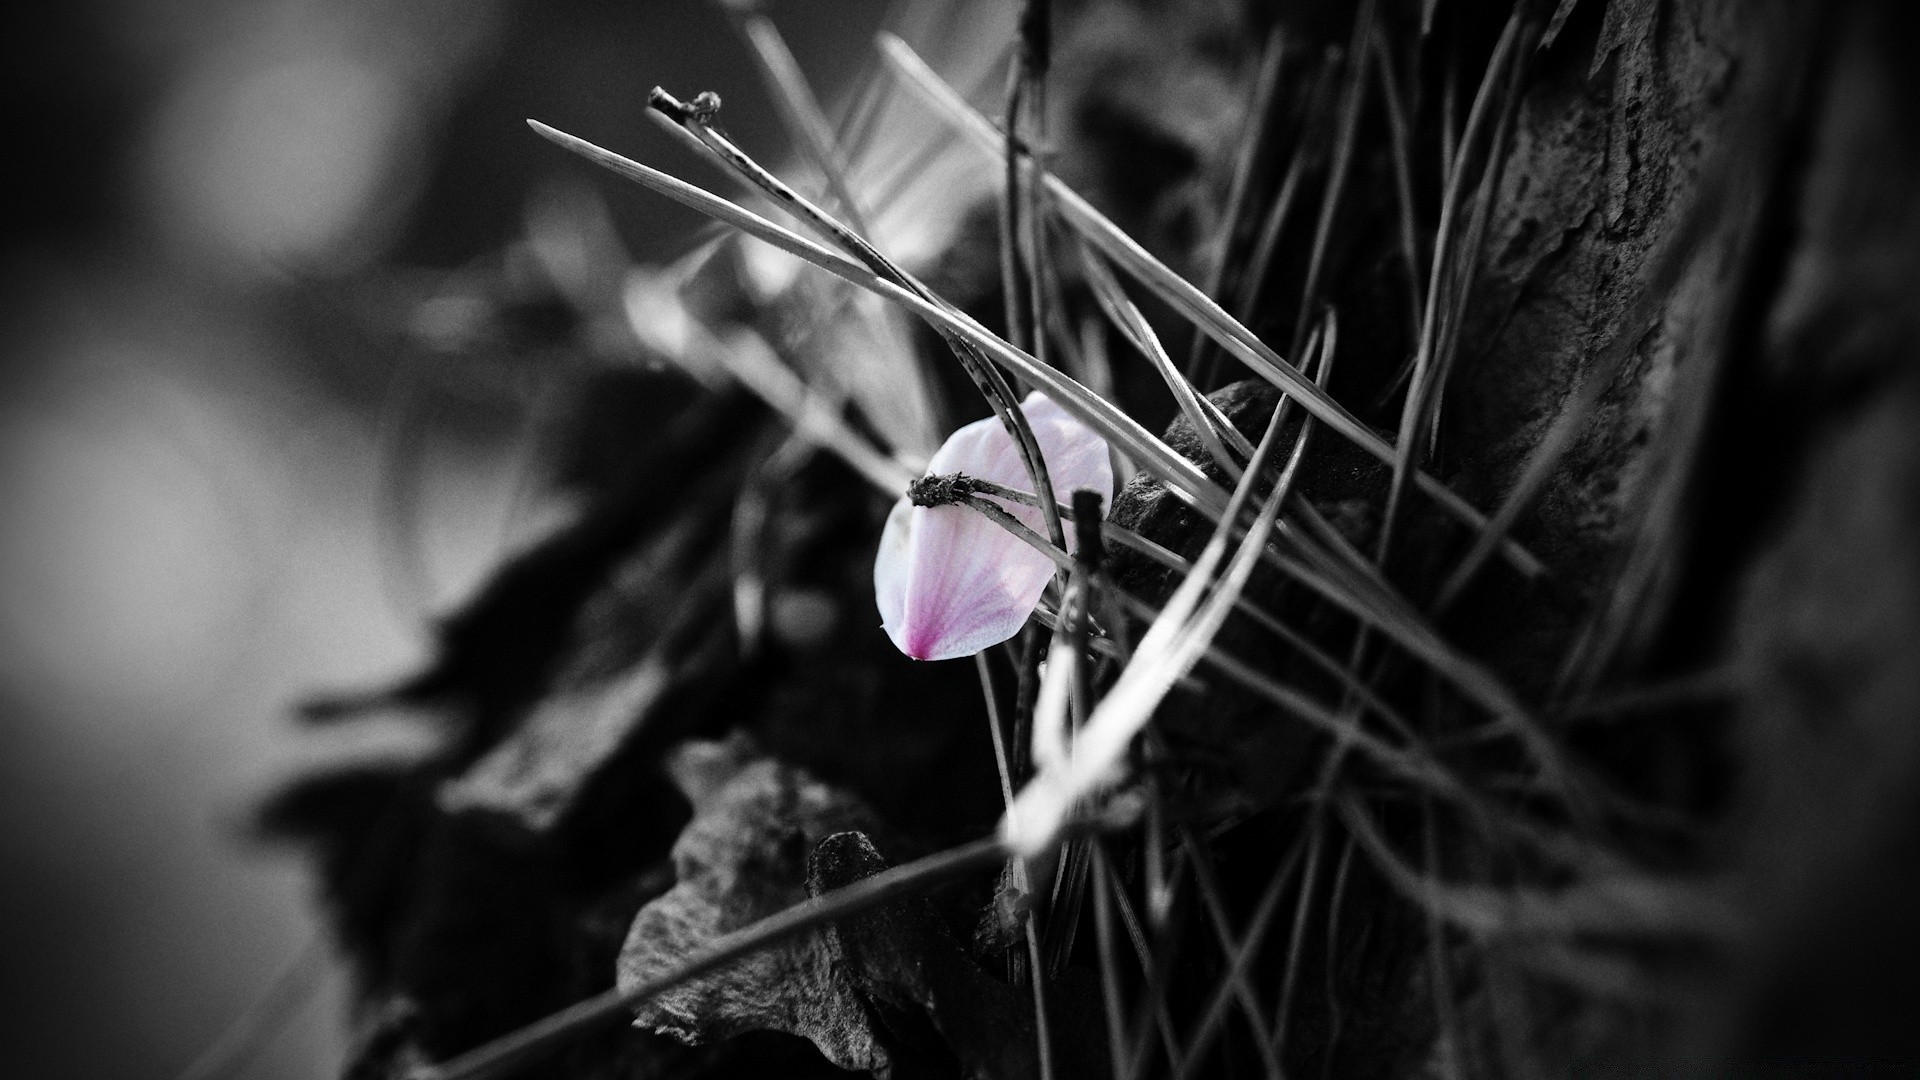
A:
741, 858
887, 991
910, 971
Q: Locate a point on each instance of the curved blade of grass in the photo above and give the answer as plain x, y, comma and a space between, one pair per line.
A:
1213, 428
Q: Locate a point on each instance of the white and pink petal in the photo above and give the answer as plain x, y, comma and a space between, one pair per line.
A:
949, 582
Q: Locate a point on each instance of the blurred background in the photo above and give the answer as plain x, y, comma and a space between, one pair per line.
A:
280, 337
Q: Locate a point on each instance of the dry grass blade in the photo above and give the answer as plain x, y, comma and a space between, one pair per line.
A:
1213, 428
794, 99
1619, 904
1103, 929
1259, 923
1266, 87
1243, 989
1353, 99
1143, 954
1302, 908
1119, 429
749, 359
1181, 634
1400, 142
1187, 298
1260, 262
265, 1017
509, 1052
1438, 296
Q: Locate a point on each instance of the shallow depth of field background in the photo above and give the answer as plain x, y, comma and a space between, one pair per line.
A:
220, 492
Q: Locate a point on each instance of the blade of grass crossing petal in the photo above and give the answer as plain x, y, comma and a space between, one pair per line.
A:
1342, 726
1181, 634
1119, 429
1227, 331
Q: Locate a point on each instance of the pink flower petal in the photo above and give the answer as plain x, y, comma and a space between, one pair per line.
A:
949, 582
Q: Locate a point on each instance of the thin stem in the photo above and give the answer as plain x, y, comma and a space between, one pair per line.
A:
1042, 1029
1401, 144
993, 726
264, 1018
1103, 904
1353, 98
794, 99
1159, 972
1013, 271
1143, 954
1260, 105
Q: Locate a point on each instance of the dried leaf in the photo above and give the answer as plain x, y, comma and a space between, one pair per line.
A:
889, 990
742, 858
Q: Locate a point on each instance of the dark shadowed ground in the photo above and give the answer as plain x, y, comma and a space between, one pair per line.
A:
200, 471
